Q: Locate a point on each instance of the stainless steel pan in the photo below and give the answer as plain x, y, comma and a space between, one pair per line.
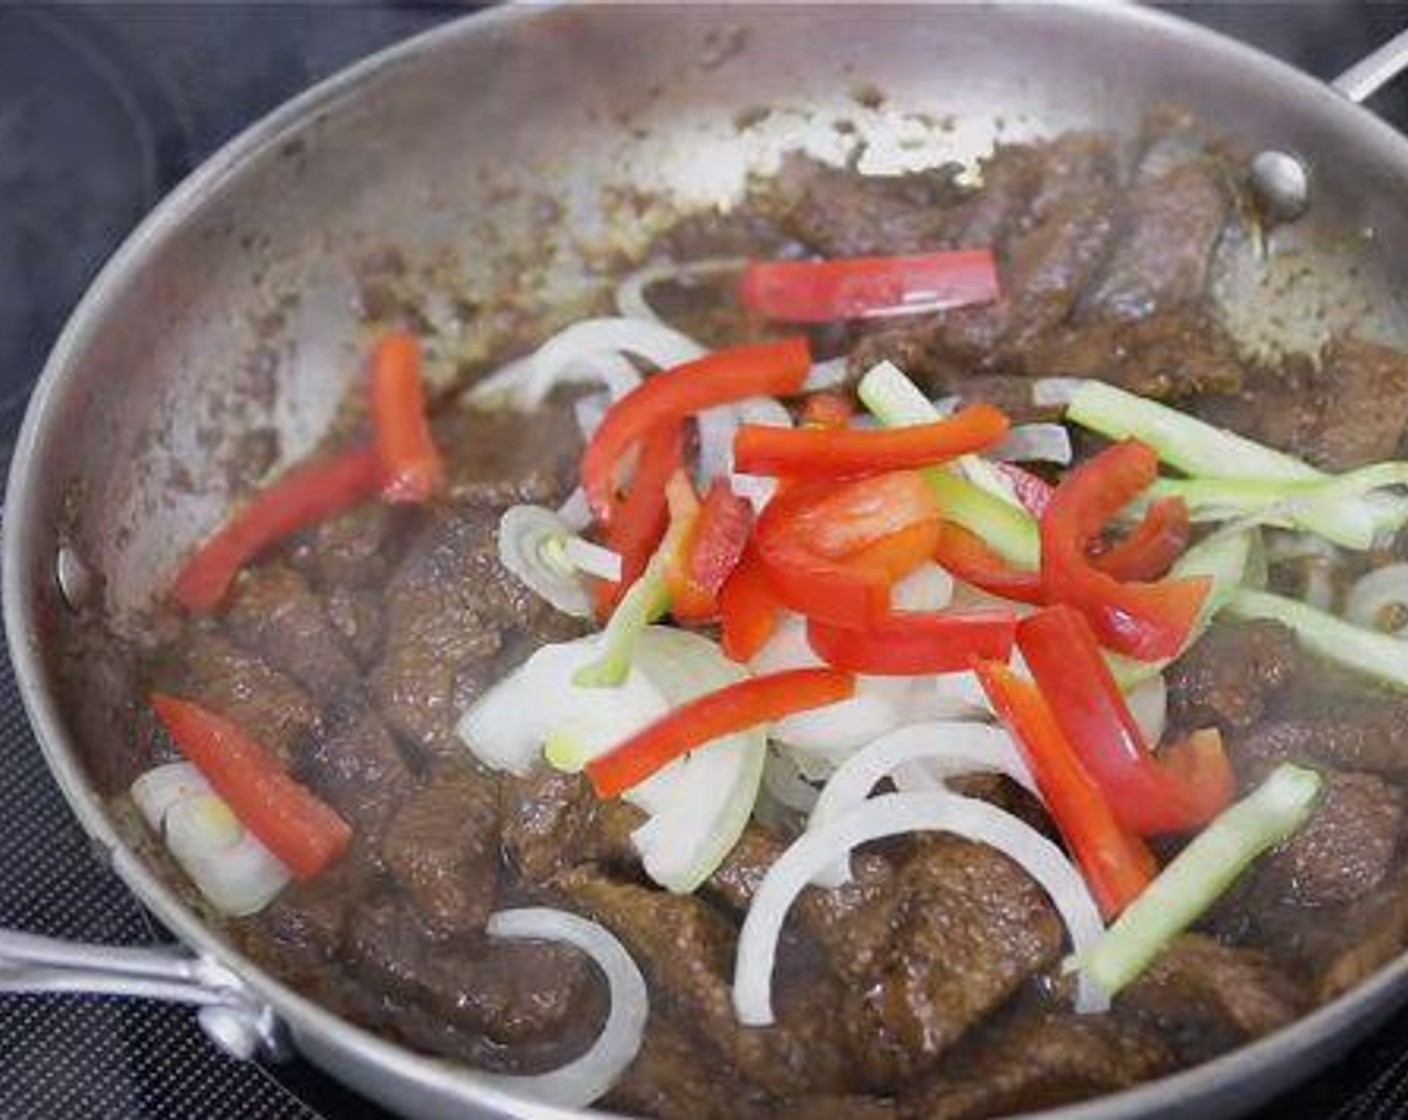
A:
506, 157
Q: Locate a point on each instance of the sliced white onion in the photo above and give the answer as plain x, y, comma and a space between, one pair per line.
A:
786, 784
947, 405
717, 428
1055, 392
757, 490
1319, 589
766, 411
161, 787
1372, 594
532, 545
500, 388
826, 375
590, 1076
575, 513
953, 696
631, 292
592, 559
927, 588
576, 351
589, 412
948, 750
893, 815
237, 873
1283, 546
1035, 443
1148, 704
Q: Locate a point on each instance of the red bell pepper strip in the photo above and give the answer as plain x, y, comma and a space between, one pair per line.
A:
1116, 864
412, 469
833, 552
825, 291
828, 411
803, 453
1148, 621
1151, 548
712, 551
308, 494
909, 644
965, 555
770, 369
302, 831
1033, 491
686, 598
747, 610
1150, 798
714, 715
642, 514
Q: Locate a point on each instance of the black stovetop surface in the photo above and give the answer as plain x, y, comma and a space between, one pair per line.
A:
102, 110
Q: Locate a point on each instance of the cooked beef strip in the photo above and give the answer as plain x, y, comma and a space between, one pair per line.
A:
442, 848
1375, 739
850, 1107
1230, 675
1208, 997
240, 686
354, 764
277, 616
449, 606
673, 1075
359, 547
504, 457
1346, 849
1037, 1060
553, 821
359, 617
686, 951
965, 928
1361, 940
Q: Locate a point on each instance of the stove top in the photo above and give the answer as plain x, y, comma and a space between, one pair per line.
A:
102, 110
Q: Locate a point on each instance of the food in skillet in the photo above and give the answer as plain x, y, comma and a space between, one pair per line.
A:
926, 669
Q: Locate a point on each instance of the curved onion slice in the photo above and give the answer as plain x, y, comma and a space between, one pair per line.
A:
582, 1080
574, 511
718, 427
828, 374
630, 292
947, 750
532, 545
927, 588
1148, 704
1055, 392
1035, 443
237, 873
579, 347
161, 787
892, 815
1379, 600
785, 783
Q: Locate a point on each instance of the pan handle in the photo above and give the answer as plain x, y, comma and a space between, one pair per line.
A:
233, 1019
1371, 73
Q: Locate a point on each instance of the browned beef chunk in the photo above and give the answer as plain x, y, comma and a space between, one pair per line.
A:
1012, 177
841, 214
965, 929
553, 821
244, 688
1209, 997
1365, 406
851, 1107
359, 617
1034, 1061
1230, 675
674, 1076
1371, 736
512, 991
278, 616
354, 765
500, 458
448, 606
442, 847
1163, 244
302, 929
686, 951
1360, 940
357, 548
1346, 850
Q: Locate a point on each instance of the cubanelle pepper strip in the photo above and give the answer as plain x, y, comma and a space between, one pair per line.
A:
1151, 548
1152, 797
1116, 863
1144, 620
908, 644
412, 469
302, 831
713, 716
308, 494
773, 369
711, 552
803, 453
859, 287
833, 552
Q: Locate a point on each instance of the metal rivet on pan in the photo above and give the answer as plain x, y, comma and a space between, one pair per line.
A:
1281, 184
75, 578
232, 1029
